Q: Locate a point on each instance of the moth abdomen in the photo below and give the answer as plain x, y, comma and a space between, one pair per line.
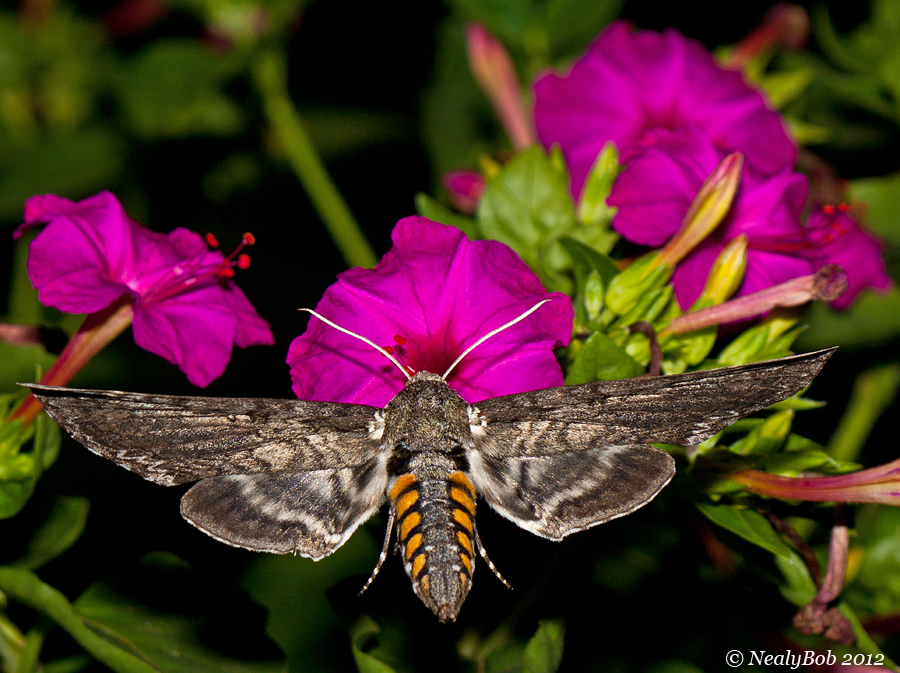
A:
435, 530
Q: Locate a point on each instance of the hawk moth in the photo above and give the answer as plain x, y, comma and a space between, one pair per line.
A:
294, 476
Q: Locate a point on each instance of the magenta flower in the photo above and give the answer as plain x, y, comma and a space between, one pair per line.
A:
766, 209
186, 307
430, 297
631, 84
836, 238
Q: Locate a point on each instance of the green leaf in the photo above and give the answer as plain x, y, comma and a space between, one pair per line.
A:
366, 662
24, 587
172, 619
455, 112
173, 88
586, 259
18, 471
428, 207
527, 206
338, 131
766, 437
74, 163
748, 524
544, 651
793, 463
601, 359
572, 23
873, 318
507, 19
876, 587
864, 641
800, 588
882, 198
60, 529
786, 85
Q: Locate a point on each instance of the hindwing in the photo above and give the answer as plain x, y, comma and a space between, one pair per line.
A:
307, 513
555, 495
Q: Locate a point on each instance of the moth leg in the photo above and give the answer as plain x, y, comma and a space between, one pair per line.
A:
384, 550
490, 563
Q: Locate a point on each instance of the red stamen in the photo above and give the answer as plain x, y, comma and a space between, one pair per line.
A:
212, 241
844, 207
828, 210
243, 261
400, 340
249, 239
226, 272
388, 350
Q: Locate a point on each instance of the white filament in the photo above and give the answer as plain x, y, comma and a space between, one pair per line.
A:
492, 333
361, 338
455, 362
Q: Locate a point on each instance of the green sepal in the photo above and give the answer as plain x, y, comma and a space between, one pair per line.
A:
631, 286
593, 270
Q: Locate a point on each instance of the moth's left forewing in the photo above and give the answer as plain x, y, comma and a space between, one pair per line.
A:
282, 476
680, 409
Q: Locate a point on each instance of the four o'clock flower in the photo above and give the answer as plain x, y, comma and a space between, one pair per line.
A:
92, 258
834, 237
628, 86
431, 296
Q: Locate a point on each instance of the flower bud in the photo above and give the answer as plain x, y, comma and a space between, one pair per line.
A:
706, 212
496, 75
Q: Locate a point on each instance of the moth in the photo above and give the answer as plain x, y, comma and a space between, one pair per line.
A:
294, 476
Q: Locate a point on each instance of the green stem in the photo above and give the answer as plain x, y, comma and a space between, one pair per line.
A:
873, 392
12, 642
24, 587
269, 74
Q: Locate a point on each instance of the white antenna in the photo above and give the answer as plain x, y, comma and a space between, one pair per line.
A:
492, 333
362, 338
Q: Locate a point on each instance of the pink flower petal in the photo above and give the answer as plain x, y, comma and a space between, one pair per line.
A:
629, 84
90, 253
439, 293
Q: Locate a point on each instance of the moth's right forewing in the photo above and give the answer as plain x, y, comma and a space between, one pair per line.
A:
681, 409
173, 440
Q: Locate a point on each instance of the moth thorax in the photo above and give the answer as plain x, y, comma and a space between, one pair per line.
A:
436, 530
427, 415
